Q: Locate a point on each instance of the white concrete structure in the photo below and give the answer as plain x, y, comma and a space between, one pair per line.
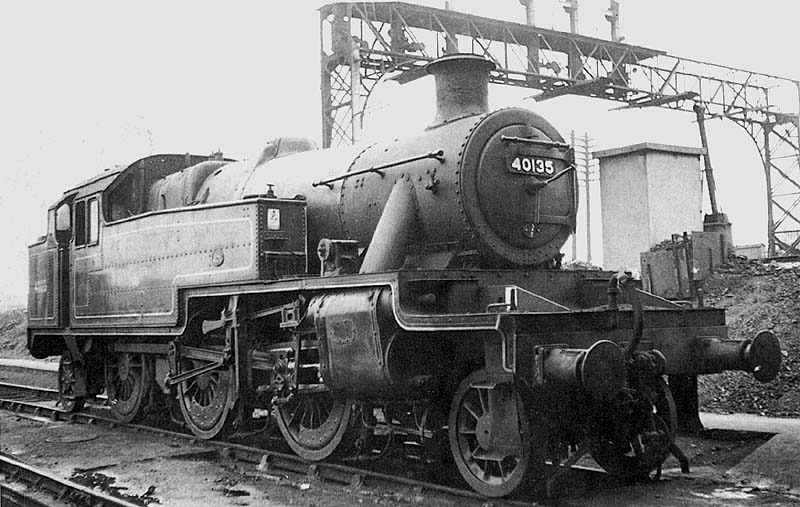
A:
647, 193
756, 251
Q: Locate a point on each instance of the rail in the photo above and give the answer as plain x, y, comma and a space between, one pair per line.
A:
61, 489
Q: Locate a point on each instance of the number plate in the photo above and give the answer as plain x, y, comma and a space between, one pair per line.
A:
536, 166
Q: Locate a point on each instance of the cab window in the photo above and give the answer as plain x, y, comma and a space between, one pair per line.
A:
80, 223
87, 222
93, 222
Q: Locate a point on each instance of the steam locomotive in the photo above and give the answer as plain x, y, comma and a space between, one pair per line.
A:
405, 292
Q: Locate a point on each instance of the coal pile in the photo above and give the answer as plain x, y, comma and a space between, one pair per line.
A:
578, 265
757, 296
13, 342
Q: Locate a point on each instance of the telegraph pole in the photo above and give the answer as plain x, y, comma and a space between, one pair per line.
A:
586, 161
574, 234
583, 173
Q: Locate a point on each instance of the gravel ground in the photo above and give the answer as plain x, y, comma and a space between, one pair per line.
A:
152, 470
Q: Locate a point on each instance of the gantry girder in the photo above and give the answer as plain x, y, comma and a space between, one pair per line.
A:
363, 42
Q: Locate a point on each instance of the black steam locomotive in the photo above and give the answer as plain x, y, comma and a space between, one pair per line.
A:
406, 291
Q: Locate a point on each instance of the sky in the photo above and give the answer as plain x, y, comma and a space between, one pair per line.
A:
89, 85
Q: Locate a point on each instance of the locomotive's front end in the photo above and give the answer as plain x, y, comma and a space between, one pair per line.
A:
516, 178
577, 363
477, 188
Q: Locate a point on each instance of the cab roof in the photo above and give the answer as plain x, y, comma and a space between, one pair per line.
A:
160, 163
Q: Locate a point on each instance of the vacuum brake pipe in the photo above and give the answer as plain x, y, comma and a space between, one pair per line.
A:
624, 281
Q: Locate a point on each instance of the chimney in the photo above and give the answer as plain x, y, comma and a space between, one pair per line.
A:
462, 86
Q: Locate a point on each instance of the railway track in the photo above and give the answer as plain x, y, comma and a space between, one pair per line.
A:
36, 480
33, 402
250, 464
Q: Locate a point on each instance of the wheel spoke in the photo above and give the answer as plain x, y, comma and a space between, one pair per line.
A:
304, 415
503, 474
484, 405
308, 417
471, 411
293, 415
318, 414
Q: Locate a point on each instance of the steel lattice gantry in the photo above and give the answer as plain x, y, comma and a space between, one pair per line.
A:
363, 41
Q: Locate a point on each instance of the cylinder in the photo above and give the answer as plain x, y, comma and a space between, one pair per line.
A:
353, 328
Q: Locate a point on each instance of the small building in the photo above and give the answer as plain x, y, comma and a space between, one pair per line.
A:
756, 251
648, 192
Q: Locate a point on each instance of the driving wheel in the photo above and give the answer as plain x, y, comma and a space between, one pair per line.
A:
642, 447
315, 425
491, 450
207, 400
128, 380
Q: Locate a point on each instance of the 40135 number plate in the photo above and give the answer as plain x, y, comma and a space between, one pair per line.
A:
532, 165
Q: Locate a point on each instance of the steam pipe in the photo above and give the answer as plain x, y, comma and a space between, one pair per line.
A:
612, 302
394, 232
626, 283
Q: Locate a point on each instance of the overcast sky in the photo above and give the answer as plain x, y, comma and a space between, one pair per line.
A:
87, 85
